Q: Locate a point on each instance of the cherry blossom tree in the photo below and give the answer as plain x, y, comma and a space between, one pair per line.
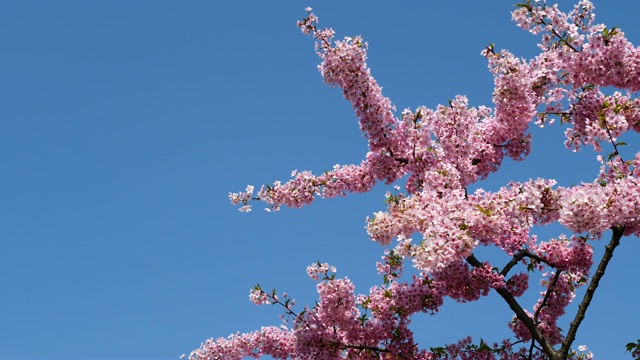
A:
585, 77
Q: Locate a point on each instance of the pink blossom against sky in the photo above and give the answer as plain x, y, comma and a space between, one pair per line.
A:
126, 125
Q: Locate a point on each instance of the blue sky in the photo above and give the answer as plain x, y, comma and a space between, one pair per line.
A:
125, 124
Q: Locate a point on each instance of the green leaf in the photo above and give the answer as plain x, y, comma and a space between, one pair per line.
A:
439, 350
632, 346
487, 212
531, 267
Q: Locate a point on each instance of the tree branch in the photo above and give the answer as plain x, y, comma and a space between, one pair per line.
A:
519, 256
595, 281
520, 314
550, 288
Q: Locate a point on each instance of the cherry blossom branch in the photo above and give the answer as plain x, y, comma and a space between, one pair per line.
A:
562, 39
546, 296
588, 296
519, 256
520, 313
443, 150
615, 145
547, 25
259, 297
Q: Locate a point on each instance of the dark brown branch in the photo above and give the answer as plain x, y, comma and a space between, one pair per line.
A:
615, 145
588, 296
562, 39
519, 256
520, 314
546, 296
533, 346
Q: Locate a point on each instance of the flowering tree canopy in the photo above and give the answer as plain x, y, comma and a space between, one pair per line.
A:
586, 76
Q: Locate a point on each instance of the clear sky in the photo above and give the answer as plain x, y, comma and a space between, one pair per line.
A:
125, 124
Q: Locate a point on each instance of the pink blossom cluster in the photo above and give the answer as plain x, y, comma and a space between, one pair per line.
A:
451, 226
596, 208
314, 270
374, 326
518, 284
579, 59
258, 297
277, 342
573, 255
584, 354
601, 118
242, 197
464, 284
437, 224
